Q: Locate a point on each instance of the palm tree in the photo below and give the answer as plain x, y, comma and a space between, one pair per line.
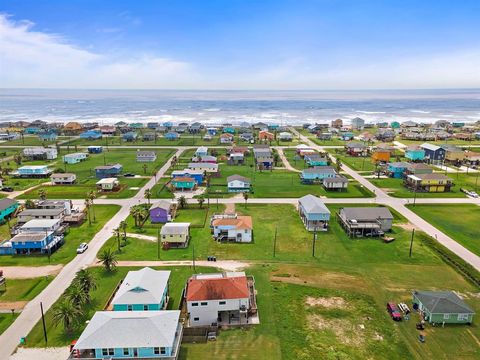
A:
87, 208
145, 167
142, 216
338, 164
76, 295
148, 195
135, 212
245, 197
42, 194
182, 202
86, 281
123, 227
108, 259
200, 200
116, 232
66, 313
92, 196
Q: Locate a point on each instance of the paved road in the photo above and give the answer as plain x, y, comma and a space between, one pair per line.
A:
31, 313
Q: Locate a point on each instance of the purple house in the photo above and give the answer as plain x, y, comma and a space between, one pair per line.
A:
161, 211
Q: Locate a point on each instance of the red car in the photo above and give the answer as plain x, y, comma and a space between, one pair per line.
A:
393, 311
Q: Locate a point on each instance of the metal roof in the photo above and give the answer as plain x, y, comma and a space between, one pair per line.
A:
130, 329
367, 213
40, 223
5, 203
238, 177
174, 228
313, 204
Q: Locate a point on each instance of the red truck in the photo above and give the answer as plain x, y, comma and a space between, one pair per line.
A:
394, 312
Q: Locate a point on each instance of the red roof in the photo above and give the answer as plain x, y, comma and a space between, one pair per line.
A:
217, 288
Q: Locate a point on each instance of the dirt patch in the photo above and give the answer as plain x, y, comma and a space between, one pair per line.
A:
41, 354
334, 302
407, 226
17, 305
230, 208
28, 272
345, 332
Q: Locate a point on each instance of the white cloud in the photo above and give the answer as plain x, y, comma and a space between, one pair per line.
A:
30, 58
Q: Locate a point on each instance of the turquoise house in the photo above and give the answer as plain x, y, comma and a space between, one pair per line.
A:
32, 130
142, 290
184, 183
130, 334
397, 169
47, 136
228, 130
7, 208
346, 136
313, 212
317, 174
172, 136
75, 158
415, 153
395, 125
315, 160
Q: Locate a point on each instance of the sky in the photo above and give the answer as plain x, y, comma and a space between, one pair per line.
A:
240, 44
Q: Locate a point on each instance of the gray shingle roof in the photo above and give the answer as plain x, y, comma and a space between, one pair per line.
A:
313, 204
5, 203
162, 204
320, 170
336, 179
367, 213
439, 302
238, 177
130, 329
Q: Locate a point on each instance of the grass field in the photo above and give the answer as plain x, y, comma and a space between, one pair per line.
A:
465, 227
334, 141
6, 319
439, 142
33, 140
74, 237
23, 289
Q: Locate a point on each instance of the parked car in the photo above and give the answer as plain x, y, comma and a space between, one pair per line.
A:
129, 175
7, 189
473, 194
82, 248
393, 311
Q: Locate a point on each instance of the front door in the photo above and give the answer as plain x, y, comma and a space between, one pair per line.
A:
135, 352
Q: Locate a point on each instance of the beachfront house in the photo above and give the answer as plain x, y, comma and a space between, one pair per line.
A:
32, 171
130, 136
356, 149
91, 135
313, 212
220, 299
108, 184
95, 149
442, 307
72, 128
357, 123
172, 135
415, 153
397, 169
142, 290
175, 235
63, 178
161, 211
146, 156
226, 138
317, 174
108, 171
238, 183
338, 182
155, 335
48, 136
235, 228
433, 182
40, 153
361, 221
285, 136
433, 154
75, 158
7, 208
183, 183
315, 160
107, 130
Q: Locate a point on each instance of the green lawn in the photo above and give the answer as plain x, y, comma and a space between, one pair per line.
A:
73, 238
464, 226
23, 289
295, 160
33, 140
439, 142
334, 141
106, 283
6, 319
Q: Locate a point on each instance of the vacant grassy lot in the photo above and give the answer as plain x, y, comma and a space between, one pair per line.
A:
464, 228
23, 289
33, 140
334, 141
74, 237
6, 320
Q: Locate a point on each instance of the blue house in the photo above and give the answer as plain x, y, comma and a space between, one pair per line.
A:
108, 171
7, 208
167, 124
313, 212
75, 158
48, 136
347, 136
315, 160
397, 169
91, 134
415, 153
95, 149
228, 130
317, 174
32, 130
273, 127
152, 125
131, 334
212, 131
172, 135
433, 154
197, 175
142, 290
130, 136
32, 171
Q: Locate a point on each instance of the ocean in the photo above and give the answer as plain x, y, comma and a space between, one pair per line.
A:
216, 107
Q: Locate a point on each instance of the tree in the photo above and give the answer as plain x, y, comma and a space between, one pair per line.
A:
29, 204
276, 158
92, 196
108, 259
87, 209
123, 227
245, 197
42, 194
182, 202
338, 164
142, 216
17, 158
200, 200
145, 168
77, 296
134, 212
86, 281
66, 313
116, 232
148, 195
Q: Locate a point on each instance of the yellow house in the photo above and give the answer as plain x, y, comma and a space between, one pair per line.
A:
429, 182
175, 235
454, 154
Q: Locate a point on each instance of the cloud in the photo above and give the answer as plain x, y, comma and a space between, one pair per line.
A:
32, 59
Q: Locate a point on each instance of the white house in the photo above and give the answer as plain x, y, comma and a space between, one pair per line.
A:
222, 298
285, 136
40, 153
237, 183
203, 166
201, 151
108, 184
63, 179
146, 156
235, 229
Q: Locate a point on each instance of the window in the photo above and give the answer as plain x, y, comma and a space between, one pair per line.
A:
129, 308
196, 319
156, 351
204, 303
107, 352
222, 303
446, 316
462, 317
194, 304
126, 351
163, 351
145, 307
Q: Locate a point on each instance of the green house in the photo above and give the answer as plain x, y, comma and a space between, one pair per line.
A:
184, 183
442, 307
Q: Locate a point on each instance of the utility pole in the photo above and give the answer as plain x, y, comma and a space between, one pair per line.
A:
415, 195
43, 323
314, 240
411, 243
193, 257
275, 242
158, 244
